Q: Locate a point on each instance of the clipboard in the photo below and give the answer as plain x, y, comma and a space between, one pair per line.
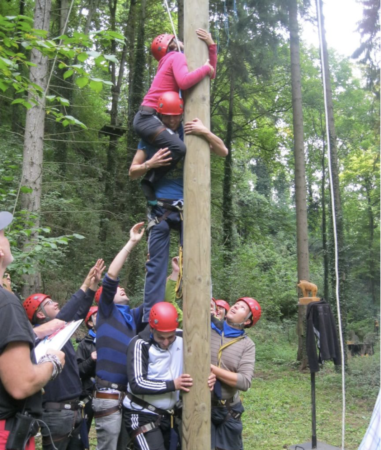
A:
57, 339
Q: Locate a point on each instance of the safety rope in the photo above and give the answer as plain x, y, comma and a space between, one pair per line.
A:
173, 27
334, 224
224, 346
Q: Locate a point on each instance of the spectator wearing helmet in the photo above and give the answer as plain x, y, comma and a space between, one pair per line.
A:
166, 215
222, 308
233, 358
62, 410
116, 325
172, 75
155, 379
86, 359
21, 379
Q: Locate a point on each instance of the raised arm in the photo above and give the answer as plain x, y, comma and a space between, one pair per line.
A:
136, 234
197, 128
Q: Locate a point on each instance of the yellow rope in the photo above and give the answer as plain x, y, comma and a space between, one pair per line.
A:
179, 283
224, 346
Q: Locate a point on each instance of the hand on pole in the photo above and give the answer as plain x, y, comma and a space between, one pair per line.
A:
211, 381
195, 127
183, 383
204, 36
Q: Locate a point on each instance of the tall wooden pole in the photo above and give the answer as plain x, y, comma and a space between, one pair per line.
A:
197, 273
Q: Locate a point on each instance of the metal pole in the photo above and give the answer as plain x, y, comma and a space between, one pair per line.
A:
313, 410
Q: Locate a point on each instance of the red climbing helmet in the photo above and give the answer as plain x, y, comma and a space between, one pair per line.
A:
92, 310
98, 295
32, 303
160, 44
163, 317
170, 104
223, 304
255, 309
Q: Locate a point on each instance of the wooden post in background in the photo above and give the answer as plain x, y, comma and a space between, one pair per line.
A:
197, 273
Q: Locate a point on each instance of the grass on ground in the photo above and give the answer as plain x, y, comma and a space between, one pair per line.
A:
278, 405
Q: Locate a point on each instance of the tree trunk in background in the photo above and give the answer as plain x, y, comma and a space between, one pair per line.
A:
34, 140
324, 226
62, 88
227, 200
64, 11
18, 114
180, 20
110, 174
130, 63
135, 202
300, 176
92, 8
371, 267
335, 185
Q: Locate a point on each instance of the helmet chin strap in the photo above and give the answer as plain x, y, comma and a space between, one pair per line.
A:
240, 325
47, 318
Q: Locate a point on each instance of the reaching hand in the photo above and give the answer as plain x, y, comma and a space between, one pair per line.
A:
204, 36
136, 232
160, 158
195, 127
97, 272
93, 355
94, 276
183, 382
175, 264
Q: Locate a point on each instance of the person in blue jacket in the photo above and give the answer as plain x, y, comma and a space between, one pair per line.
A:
116, 325
62, 415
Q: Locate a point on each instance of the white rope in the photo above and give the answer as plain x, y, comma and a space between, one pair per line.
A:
55, 58
173, 27
334, 226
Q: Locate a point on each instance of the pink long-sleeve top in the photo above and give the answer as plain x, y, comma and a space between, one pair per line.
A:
173, 75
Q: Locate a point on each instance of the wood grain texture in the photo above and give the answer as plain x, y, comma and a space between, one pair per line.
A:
197, 240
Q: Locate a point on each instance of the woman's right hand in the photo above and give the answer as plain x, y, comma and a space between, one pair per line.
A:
160, 158
211, 73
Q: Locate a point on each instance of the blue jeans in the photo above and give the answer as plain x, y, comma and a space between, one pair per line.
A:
157, 266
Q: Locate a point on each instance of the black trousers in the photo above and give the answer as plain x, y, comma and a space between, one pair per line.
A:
160, 438
152, 130
226, 431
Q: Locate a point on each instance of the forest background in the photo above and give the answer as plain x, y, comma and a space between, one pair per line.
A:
67, 143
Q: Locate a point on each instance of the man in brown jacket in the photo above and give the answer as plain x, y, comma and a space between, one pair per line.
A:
233, 358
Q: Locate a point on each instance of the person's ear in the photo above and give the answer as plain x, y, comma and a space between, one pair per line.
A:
40, 315
247, 322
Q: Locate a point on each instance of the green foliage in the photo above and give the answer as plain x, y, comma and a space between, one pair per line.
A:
16, 32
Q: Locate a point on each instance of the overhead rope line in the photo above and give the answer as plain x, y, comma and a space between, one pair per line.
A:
333, 206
